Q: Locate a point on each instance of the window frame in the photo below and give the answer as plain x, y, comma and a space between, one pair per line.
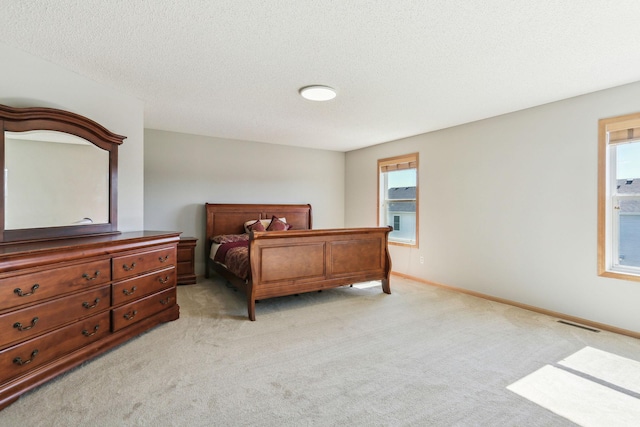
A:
397, 160
613, 131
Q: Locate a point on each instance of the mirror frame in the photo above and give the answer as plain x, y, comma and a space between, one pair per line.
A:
39, 118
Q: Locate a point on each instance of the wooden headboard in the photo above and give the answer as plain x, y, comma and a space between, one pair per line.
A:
230, 218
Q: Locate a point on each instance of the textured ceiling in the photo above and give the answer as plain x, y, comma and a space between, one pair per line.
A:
232, 68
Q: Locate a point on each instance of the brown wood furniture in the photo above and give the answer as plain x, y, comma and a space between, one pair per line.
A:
65, 301
72, 290
301, 259
186, 261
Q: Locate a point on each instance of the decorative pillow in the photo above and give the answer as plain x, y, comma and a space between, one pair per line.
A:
230, 238
278, 224
252, 225
265, 222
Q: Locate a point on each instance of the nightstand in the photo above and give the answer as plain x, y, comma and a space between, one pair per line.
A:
185, 266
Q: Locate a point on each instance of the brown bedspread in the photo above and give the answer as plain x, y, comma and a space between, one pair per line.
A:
235, 256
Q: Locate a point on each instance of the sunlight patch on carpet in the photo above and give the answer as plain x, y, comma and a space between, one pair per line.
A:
586, 401
608, 367
365, 285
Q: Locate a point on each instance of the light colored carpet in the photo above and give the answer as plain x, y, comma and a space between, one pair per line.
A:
346, 357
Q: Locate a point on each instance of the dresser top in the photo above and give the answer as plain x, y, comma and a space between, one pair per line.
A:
102, 244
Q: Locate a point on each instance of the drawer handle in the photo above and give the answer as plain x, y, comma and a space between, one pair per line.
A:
19, 326
165, 301
19, 292
19, 361
161, 259
94, 305
163, 281
95, 276
86, 333
129, 268
130, 315
127, 292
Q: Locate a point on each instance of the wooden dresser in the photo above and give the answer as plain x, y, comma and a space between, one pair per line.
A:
65, 301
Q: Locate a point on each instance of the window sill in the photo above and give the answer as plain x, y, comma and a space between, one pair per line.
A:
620, 275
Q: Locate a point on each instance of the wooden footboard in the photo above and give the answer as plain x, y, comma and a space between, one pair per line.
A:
291, 262
299, 260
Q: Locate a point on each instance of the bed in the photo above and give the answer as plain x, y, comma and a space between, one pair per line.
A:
299, 259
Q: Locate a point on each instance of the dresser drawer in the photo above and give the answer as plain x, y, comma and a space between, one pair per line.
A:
29, 288
132, 265
132, 289
141, 309
38, 351
22, 324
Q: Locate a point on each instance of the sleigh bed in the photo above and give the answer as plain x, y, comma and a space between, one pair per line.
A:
296, 260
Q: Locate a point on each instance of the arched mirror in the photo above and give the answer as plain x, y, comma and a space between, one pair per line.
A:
59, 175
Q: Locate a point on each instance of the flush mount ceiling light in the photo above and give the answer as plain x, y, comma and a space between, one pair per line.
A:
318, 93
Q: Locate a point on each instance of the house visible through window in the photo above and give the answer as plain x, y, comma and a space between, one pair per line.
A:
398, 198
619, 197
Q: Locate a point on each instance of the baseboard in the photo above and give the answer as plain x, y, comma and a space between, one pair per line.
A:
551, 313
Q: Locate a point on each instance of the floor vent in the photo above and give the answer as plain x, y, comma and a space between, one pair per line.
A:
564, 322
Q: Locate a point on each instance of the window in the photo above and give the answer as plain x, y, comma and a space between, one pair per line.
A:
398, 198
619, 197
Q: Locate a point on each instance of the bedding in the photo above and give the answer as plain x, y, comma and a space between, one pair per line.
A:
235, 257
228, 238
235, 247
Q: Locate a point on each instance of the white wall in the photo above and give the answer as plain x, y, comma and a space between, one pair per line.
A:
508, 207
183, 172
28, 81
